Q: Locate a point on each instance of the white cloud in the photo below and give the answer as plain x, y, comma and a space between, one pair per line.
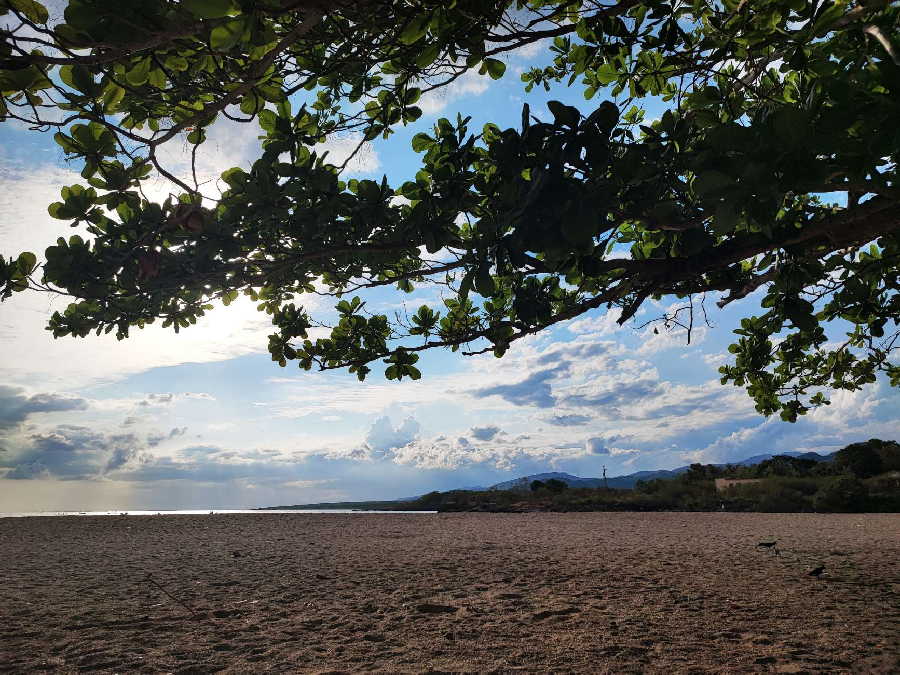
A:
714, 360
667, 338
306, 484
847, 408
339, 148
228, 144
468, 84
383, 436
599, 326
532, 49
31, 355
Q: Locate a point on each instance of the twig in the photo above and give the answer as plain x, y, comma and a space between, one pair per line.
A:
162, 588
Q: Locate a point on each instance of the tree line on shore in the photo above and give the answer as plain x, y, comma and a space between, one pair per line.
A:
862, 477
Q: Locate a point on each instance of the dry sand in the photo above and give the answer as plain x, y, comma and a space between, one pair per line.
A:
595, 592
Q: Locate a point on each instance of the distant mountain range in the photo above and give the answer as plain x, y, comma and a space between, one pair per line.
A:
628, 481
524, 483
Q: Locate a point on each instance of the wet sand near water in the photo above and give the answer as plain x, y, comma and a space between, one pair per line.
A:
592, 592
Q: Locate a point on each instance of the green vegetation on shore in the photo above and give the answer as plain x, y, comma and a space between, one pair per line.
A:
862, 477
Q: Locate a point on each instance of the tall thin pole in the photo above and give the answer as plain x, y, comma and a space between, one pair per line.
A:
605, 484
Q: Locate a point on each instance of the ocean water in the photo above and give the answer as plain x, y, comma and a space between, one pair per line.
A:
192, 512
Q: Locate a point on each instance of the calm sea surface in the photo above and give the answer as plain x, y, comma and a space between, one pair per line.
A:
188, 512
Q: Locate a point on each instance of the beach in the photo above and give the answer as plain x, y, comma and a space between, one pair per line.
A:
472, 592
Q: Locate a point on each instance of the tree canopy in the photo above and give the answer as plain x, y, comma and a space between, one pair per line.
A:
773, 169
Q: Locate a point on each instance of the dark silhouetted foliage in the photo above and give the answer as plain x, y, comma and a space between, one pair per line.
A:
773, 107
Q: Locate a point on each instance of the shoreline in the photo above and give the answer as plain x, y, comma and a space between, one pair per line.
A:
192, 512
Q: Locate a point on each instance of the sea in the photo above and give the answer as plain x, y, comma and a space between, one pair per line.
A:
193, 512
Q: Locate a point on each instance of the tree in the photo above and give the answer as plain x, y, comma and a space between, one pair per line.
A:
773, 106
844, 493
556, 486
860, 459
785, 465
702, 472
537, 485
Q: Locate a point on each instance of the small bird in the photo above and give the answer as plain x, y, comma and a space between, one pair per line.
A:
817, 572
766, 544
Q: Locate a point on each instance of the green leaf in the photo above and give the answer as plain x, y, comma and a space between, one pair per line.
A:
32, 10
466, 285
415, 29
484, 282
208, 9
800, 312
251, 103
138, 75
157, 78
27, 262
428, 55
112, 97
178, 63
607, 74
605, 116
726, 218
267, 120
422, 142
493, 67
224, 37
564, 114
710, 183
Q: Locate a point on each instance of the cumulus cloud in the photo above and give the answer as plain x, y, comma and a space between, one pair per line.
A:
570, 420
599, 326
198, 395
533, 390
468, 84
73, 452
33, 470
668, 338
339, 149
383, 436
155, 439
306, 484
484, 433
123, 455
596, 446
450, 454
16, 405
167, 398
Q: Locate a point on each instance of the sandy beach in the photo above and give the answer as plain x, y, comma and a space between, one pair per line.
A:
591, 592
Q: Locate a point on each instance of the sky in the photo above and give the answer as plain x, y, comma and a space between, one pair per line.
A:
205, 419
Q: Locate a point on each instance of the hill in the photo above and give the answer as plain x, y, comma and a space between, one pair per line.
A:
628, 481
502, 496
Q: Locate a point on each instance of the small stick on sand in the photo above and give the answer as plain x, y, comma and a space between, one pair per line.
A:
162, 588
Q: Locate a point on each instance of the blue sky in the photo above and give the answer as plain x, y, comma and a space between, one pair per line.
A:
206, 419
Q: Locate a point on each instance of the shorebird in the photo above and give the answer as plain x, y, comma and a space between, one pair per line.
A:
767, 544
817, 572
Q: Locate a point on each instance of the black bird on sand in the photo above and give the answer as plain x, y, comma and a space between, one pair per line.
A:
817, 572
766, 544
